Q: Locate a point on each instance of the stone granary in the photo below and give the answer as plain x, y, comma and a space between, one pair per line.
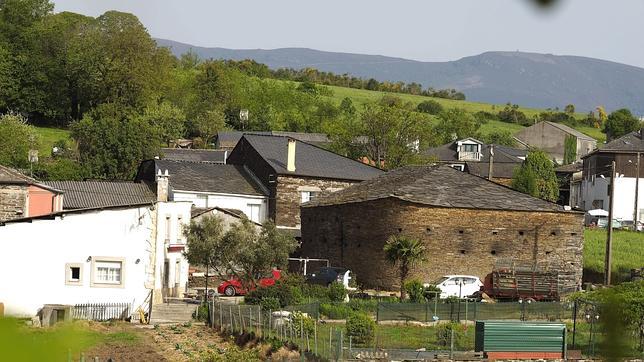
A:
466, 222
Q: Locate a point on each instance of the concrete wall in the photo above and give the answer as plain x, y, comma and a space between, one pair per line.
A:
13, 201
226, 201
35, 257
552, 140
458, 241
624, 201
43, 201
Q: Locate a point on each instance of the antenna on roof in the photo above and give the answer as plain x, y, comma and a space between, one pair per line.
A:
243, 117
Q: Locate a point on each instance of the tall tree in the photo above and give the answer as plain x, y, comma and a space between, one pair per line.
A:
537, 177
404, 252
619, 123
168, 120
16, 138
456, 123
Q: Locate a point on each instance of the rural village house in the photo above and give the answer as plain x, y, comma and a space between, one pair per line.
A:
22, 196
551, 137
295, 172
596, 177
473, 156
467, 224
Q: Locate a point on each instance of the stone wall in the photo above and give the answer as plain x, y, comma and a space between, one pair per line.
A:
288, 196
13, 201
458, 241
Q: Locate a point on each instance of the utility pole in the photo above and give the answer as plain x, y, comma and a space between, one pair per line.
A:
609, 227
637, 189
491, 165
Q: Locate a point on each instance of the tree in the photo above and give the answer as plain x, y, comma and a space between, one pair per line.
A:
16, 138
112, 142
456, 123
537, 177
619, 123
430, 107
208, 124
570, 149
503, 138
570, 109
404, 252
512, 114
168, 120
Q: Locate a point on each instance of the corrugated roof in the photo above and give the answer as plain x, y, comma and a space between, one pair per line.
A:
209, 177
194, 155
96, 194
440, 186
310, 160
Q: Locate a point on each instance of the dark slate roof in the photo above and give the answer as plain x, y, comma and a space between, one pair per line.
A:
447, 153
570, 168
194, 155
9, 175
500, 169
310, 160
229, 139
440, 186
96, 194
570, 130
209, 177
631, 142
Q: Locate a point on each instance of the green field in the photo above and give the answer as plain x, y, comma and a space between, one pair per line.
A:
627, 253
49, 136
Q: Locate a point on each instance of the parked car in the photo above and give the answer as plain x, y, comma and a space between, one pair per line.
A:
602, 222
233, 286
327, 275
460, 286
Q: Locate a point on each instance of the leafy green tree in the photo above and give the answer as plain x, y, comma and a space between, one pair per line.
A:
570, 149
512, 114
208, 124
16, 138
168, 120
619, 123
503, 138
430, 107
455, 124
570, 109
112, 142
537, 177
404, 252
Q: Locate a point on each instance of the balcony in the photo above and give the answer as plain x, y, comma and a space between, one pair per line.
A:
469, 156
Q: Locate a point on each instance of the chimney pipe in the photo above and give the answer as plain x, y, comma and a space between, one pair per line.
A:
162, 186
491, 164
290, 163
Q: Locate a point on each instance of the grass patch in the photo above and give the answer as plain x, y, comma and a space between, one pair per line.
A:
126, 338
49, 136
627, 254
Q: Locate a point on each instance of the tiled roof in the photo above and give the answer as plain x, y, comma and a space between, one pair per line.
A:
571, 131
94, 194
440, 186
194, 155
206, 177
310, 160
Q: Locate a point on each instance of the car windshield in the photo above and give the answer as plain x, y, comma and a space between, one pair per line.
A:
440, 280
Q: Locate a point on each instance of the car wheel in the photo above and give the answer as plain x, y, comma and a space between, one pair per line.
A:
229, 291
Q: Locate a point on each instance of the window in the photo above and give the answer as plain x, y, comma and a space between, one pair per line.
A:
167, 228
598, 204
469, 148
73, 274
107, 272
179, 228
458, 167
253, 212
308, 196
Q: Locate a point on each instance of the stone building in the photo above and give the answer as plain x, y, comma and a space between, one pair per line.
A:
467, 224
22, 196
295, 172
551, 137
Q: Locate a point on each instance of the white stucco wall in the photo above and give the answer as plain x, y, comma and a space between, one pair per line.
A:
624, 200
226, 201
34, 257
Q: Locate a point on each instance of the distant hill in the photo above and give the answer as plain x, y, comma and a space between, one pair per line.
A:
528, 79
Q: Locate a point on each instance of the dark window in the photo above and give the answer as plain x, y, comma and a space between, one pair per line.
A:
521, 232
462, 251
553, 233
75, 273
461, 231
493, 252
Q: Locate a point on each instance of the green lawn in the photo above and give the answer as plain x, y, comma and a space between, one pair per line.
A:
627, 253
49, 136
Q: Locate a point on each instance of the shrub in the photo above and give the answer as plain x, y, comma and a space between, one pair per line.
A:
444, 335
336, 292
430, 107
270, 303
415, 291
201, 313
336, 311
361, 328
431, 292
303, 322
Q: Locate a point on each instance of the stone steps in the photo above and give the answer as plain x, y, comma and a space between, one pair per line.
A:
172, 313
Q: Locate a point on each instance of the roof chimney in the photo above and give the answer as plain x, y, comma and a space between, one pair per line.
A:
290, 162
162, 186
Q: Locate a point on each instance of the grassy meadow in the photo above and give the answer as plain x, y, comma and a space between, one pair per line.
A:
48, 136
627, 254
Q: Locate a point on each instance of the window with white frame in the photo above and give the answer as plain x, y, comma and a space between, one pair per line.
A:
168, 228
253, 212
467, 147
308, 196
73, 274
107, 272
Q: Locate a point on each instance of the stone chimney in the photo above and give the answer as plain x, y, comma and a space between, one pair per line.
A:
290, 162
162, 186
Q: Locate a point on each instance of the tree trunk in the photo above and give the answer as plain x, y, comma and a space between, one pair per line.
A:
404, 271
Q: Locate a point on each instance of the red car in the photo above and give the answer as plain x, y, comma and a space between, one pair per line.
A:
233, 286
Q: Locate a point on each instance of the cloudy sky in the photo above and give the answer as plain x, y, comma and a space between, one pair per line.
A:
429, 30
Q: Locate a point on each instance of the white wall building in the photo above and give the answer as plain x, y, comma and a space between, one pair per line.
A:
595, 196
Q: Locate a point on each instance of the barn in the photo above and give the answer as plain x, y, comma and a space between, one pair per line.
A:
467, 224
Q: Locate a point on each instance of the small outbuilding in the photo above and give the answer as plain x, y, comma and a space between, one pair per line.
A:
466, 223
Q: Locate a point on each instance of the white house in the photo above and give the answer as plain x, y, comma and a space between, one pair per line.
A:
625, 152
207, 185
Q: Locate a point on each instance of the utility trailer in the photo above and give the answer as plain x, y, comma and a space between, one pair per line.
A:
511, 280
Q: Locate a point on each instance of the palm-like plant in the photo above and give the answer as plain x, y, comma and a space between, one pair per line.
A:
404, 252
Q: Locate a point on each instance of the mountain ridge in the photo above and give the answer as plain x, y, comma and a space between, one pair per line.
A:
526, 78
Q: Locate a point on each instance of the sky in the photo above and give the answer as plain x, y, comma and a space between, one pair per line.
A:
426, 30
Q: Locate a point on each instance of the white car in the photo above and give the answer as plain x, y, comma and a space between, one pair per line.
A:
460, 286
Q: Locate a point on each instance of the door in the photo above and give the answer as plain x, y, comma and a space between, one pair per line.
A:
177, 279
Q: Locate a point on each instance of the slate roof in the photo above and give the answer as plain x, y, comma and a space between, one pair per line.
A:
310, 160
439, 186
500, 169
96, 194
631, 142
206, 177
9, 175
570, 168
228, 139
194, 155
570, 130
